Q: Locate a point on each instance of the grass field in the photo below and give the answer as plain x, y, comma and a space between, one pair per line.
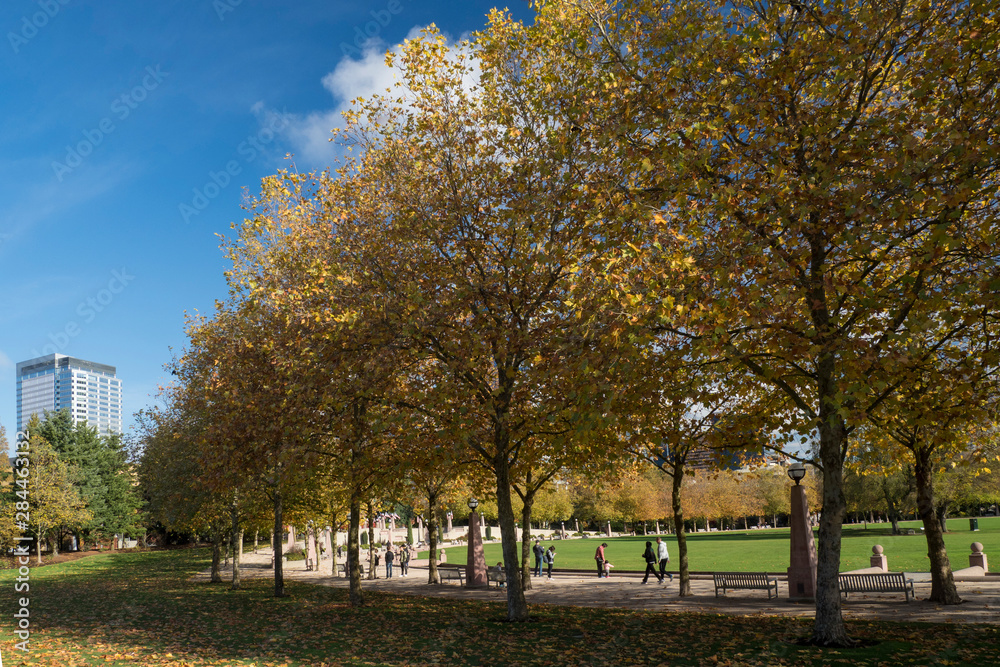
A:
143, 609
767, 550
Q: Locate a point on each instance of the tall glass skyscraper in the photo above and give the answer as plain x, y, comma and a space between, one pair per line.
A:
90, 391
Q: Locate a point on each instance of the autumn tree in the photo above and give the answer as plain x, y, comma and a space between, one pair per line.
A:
468, 208
930, 418
824, 166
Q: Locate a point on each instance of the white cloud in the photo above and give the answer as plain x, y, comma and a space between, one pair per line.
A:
5, 361
309, 134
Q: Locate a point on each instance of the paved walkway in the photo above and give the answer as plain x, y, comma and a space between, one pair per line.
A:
625, 590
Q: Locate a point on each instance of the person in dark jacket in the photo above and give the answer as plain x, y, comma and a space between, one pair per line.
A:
539, 552
651, 560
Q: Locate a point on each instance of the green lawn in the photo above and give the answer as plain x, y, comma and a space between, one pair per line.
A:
767, 550
142, 609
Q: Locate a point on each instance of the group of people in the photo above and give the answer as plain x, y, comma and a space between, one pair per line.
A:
543, 557
392, 555
651, 556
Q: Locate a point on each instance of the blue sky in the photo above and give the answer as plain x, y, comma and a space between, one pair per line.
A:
130, 131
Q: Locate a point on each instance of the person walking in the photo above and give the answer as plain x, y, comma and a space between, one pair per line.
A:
390, 557
550, 558
650, 557
664, 557
599, 557
539, 552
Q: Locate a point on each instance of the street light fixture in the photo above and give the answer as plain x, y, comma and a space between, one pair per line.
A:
797, 472
473, 504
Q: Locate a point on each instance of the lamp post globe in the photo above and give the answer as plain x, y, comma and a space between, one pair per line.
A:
797, 472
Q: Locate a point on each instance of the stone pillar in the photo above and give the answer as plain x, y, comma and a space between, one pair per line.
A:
657, 526
977, 558
291, 537
420, 529
607, 529
802, 565
576, 524
448, 529
475, 568
878, 558
312, 557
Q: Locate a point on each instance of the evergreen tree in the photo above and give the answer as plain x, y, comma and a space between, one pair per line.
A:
98, 467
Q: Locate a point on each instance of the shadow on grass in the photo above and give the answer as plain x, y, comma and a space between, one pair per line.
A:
145, 609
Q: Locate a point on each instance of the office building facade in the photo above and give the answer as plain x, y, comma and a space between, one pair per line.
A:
91, 392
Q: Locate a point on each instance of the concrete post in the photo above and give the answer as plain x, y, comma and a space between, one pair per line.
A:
607, 529
977, 558
802, 561
878, 558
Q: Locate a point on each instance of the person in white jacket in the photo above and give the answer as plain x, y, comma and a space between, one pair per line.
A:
664, 556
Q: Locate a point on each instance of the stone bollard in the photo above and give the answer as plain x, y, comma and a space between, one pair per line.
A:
878, 558
977, 558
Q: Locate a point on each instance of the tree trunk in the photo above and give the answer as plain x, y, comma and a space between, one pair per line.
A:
517, 606
372, 574
279, 529
256, 539
943, 590
333, 545
829, 629
942, 515
432, 537
356, 595
216, 555
39, 541
237, 534
684, 575
529, 501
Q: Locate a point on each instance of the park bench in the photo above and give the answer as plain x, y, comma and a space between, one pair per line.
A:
342, 569
884, 582
449, 572
499, 577
745, 580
